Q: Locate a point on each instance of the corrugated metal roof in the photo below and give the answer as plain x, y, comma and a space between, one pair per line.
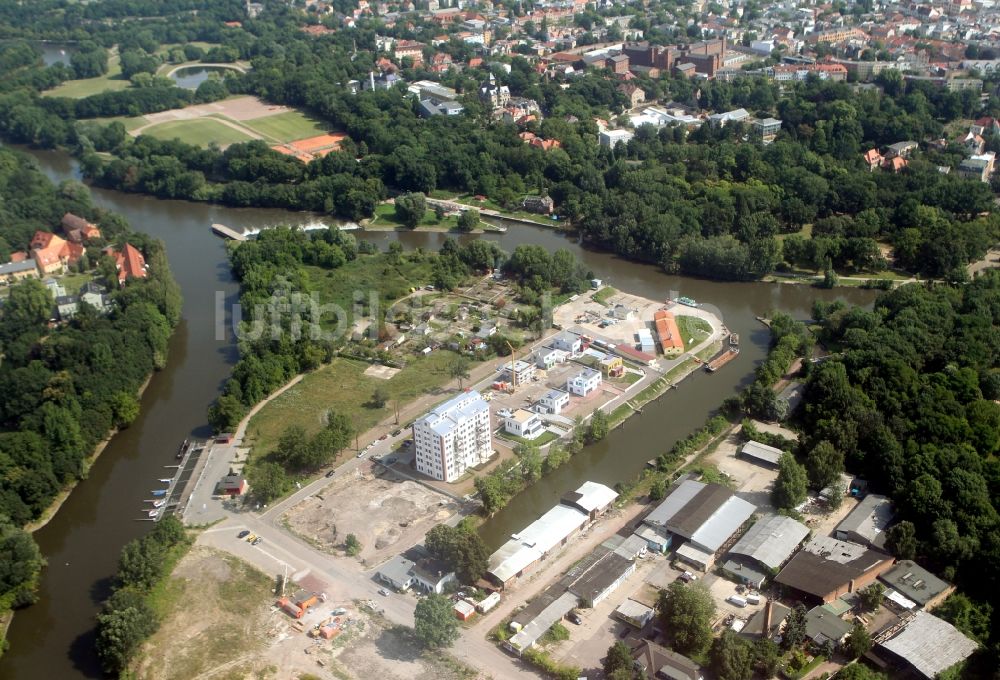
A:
699, 510
771, 540
764, 452
534, 541
535, 628
723, 523
931, 645
673, 503
869, 519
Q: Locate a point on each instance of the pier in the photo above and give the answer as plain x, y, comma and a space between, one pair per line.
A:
721, 360
226, 232
189, 454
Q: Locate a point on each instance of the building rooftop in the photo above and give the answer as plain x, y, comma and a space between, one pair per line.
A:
660, 662
672, 504
826, 564
443, 419
771, 540
534, 541
633, 610
869, 519
590, 496
521, 416
930, 645
16, 267
768, 454
823, 625
535, 628
914, 582
597, 572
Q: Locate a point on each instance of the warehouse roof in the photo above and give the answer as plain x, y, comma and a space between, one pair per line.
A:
723, 523
535, 628
598, 572
534, 541
699, 510
771, 540
826, 564
869, 519
930, 645
768, 454
590, 497
672, 504
914, 582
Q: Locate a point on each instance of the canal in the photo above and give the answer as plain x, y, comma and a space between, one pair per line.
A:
54, 638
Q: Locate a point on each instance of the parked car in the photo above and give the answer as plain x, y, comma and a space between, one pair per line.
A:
243, 534
391, 460
383, 437
687, 577
383, 591
362, 452
250, 538
331, 473
257, 541
575, 618
396, 433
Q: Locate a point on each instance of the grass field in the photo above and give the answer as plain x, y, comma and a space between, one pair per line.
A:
287, 127
200, 131
343, 387
385, 216
390, 280
604, 294
693, 328
77, 89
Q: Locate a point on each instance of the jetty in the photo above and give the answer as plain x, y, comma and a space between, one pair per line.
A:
227, 232
721, 360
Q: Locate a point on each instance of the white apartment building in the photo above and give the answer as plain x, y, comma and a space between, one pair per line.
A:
584, 382
553, 401
523, 424
454, 436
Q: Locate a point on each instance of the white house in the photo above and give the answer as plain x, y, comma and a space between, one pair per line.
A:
568, 342
547, 357
584, 382
612, 138
553, 401
524, 424
521, 373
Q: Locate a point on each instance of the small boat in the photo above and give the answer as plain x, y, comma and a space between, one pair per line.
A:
159, 492
182, 449
686, 301
153, 513
168, 480
159, 504
734, 340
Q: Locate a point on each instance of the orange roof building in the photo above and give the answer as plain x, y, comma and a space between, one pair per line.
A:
667, 333
129, 262
79, 230
52, 253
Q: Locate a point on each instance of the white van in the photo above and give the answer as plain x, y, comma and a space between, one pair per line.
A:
736, 600
753, 598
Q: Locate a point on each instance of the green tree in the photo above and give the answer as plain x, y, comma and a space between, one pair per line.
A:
20, 563
766, 656
687, 611
434, 622
658, 490
872, 596
901, 540
824, 464
732, 657
352, 545
458, 368
795, 628
791, 485
410, 209
267, 480
598, 427
531, 462
122, 626
468, 220
379, 398
619, 658
970, 617
125, 408
461, 549
858, 642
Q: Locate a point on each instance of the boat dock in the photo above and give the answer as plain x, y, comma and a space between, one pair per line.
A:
168, 500
226, 232
722, 359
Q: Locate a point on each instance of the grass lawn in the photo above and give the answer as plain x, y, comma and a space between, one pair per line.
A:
343, 387
604, 294
693, 330
541, 440
389, 280
77, 89
806, 232
619, 415
287, 127
385, 215
74, 282
471, 200
200, 131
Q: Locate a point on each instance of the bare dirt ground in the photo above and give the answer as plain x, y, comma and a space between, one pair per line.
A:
385, 513
238, 633
381, 372
238, 108
217, 621
751, 482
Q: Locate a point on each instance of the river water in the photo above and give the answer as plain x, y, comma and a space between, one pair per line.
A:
54, 638
190, 77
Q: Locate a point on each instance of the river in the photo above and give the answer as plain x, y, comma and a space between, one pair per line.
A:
54, 638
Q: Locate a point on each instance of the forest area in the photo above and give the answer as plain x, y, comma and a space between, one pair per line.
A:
705, 203
64, 387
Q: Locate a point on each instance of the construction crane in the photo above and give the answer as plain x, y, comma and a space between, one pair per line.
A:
513, 356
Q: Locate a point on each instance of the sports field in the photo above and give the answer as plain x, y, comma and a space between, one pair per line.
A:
286, 127
200, 131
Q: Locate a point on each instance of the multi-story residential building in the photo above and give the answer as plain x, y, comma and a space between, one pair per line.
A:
454, 436
584, 382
